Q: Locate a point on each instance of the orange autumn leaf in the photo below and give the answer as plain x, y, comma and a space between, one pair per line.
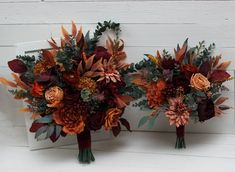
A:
65, 33
220, 100
7, 82
224, 65
74, 29
24, 110
49, 56
19, 82
62, 42
180, 52
217, 59
139, 80
123, 101
79, 35
53, 44
35, 115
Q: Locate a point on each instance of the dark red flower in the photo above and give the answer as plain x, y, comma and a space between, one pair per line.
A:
101, 52
182, 81
95, 121
168, 63
205, 109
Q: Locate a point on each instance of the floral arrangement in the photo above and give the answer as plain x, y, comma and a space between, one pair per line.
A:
74, 87
183, 86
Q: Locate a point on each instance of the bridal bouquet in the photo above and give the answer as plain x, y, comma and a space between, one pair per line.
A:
74, 87
187, 84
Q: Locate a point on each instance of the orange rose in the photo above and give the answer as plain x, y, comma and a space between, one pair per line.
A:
53, 96
70, 118
199, 82
112, 117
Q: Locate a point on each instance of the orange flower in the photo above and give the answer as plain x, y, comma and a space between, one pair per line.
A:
154, 95
199, 82
53, 96
70, 117
177, 112
37, 89
112, 118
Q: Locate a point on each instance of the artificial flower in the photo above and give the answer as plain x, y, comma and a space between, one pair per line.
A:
206, 109
53, 96
37, 89
189, 70
154, 93
71, 118
112, 118
199, 82
177, 112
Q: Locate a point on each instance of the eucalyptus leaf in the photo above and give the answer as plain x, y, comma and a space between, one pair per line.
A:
142, 121
216, 96
40, 131
58, 129
50, 130
152, 122
46, 119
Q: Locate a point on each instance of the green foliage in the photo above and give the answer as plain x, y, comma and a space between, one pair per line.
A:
100, 29
142, 104
29, 61
152, 121
45, 120
142, 121
203, 53
86, 95
19, 94
39, 105
41, 131
64, 58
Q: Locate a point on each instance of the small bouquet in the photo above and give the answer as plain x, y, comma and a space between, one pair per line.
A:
74, 87
185, 85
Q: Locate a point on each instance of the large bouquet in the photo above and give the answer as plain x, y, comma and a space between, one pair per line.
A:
186, 84
74, 87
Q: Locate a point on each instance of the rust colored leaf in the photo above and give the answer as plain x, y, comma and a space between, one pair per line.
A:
19, 82
224, 65
65, 33
7, 82
97, 66
79, 35
49, 56
217, 59
24, 110
89, 62
53, 44
220, 100
219, 76
74, 29
62, 42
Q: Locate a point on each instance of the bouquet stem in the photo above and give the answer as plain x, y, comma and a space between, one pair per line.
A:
180, 143
84, 144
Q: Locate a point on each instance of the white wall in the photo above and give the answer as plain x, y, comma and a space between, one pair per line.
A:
147, 26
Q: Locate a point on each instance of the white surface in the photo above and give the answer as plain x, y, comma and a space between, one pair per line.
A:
147, 26
131, 152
